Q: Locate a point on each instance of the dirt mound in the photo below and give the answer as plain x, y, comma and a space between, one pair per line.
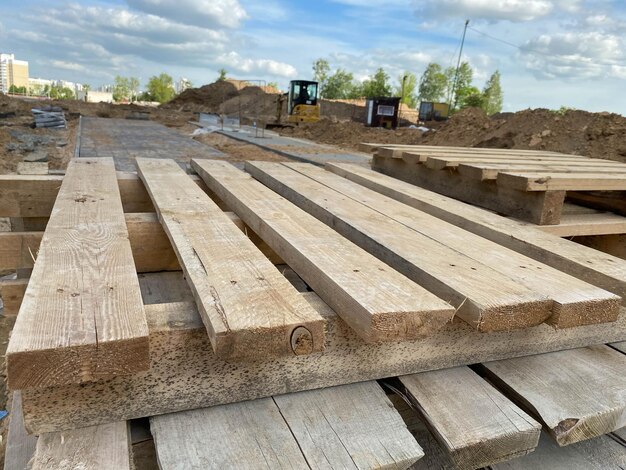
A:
208, 97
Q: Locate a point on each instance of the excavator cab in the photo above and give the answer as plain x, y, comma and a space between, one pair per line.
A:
302, 105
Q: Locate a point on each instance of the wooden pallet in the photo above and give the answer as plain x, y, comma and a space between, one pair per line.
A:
529, 185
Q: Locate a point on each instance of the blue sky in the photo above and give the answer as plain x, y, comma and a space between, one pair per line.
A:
550, 53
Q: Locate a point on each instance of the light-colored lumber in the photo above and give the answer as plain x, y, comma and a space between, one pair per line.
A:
82, 318
28, 195
247, 435
600, 453
485, 169
12, 293
483, 296
555, 181
474, 422
249, 309
20, 447
538, 207
577, 394
185, 374
599, 223
587, 264
397, 151
379, 303
575, 302
92, 448
350, 426
19, 249
612, 244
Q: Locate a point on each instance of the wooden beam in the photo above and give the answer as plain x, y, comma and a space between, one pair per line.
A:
90, 448
575, 302
560, 181
577, 394
12, 293
598, 223
28, 195
614, 201
397, 151
82, 318
379, 303
601, 453
177, 334
351, 426
538, 207
474, 422
249, 309
484, 297
613, 244
489, 169
584, 263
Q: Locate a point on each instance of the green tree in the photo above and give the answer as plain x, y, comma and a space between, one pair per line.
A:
492, 95
273, 85
321, 69
121, 89
338, 86
434, 83
86, 87
222, 75
463, 85
133, 88
161, 88
18, 90
407, 92
377, 85
474, 99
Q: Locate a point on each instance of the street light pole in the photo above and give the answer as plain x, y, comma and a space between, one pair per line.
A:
458, 65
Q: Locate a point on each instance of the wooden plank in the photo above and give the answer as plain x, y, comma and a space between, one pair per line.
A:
488, 170
89, 448
249, 309
395, 151
555, 181
614, 201
484, 297
599, 223
440, 162
82, 318
614, 245
12, 293
577, 394
474, 422
247, 435
378, 303
350, 426
28, 195
575, 302
538, 207
19, 249
177, 337
584, 263
20, 446
601, 453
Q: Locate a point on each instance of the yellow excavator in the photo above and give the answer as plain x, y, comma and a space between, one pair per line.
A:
302, 105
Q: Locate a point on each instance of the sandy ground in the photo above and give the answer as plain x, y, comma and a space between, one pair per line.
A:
238, 151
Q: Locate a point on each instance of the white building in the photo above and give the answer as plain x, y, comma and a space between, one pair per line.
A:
12, 72
92, 96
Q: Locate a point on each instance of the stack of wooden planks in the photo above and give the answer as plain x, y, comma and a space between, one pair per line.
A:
316, 284
526, 184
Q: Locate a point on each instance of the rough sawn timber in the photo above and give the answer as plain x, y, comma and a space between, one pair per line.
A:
185, 374
575, 302
379, 303
474, 422
595, 267
484, 297
350, 426
249, 309
82, 316
577, 394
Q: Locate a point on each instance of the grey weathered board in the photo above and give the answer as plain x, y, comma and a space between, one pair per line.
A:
195, 378
577, 394
350, 426
20, 447
380, 304
474, 422
250, 310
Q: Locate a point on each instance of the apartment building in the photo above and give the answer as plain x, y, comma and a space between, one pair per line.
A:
12, 72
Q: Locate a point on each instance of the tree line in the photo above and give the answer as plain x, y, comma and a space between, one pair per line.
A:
436, 84
159, 88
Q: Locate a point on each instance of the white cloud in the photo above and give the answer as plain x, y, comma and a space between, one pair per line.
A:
262, 66
60, 64
208, 13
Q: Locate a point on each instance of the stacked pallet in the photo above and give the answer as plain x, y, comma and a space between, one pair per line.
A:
526, 184
179, 311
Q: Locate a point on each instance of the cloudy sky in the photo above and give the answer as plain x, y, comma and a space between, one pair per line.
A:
551, 53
